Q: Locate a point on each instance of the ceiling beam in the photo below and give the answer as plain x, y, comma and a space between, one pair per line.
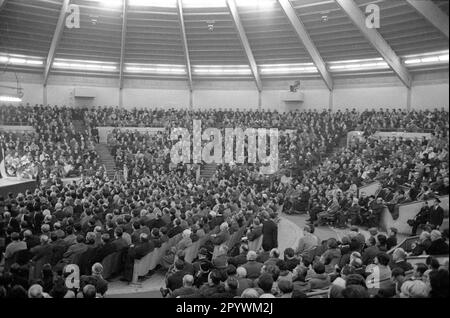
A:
2, 4
185, 44
123, 41
313, 52
376, 40
432, 13
55, 40
244, 41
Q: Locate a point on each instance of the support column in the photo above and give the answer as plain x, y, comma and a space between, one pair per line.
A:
191, 101
408, 99
330, 100
259, 99
44, 95
120, 98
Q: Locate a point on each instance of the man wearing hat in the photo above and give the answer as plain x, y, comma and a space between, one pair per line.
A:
436, 214
392, 239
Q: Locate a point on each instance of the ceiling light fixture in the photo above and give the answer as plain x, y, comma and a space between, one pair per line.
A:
10, 99
153, 3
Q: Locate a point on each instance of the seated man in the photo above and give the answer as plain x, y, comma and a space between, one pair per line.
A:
241, 258
213, 286
331, 213
96, 279
438, 245
174, 281
320, 279
188, 288
316, 209
252, 267
243, 281
399, 260
421, 218
374, 213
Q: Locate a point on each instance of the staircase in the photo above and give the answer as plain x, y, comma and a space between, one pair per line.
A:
207, 171
106, 159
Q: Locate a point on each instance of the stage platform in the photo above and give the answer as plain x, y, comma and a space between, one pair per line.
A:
15, 186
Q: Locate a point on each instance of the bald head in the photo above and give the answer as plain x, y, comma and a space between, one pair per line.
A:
241, 272
35, 291
188, 280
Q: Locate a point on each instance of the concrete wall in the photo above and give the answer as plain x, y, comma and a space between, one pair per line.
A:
429, 91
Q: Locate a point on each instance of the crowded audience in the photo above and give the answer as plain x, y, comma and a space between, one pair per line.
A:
55, 148
48, 230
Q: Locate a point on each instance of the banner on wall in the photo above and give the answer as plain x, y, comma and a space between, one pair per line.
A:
405, 135
21, 129
103, 132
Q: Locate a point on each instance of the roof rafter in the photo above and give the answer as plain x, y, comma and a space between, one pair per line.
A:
122, 41
55, 40
299, 28
245, 43
2, 4
432, 13
376, 40
185, 44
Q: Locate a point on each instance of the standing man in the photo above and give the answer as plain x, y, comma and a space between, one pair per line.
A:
436, 214
422, 218
270, 233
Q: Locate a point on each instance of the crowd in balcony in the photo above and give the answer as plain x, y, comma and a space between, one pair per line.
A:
53, 148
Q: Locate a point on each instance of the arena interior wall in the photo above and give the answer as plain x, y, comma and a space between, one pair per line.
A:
429, 91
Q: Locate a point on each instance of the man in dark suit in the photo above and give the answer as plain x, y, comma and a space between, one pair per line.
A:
176, 229
30, 239
85, 259
270, 233
422, 218
137, 251
436, 214
370, 252
188, 288
175, 280
157, 222
42, 254
106, 247
75, 249
120, 243
59, 247
255, 230
240, 259
138, 229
